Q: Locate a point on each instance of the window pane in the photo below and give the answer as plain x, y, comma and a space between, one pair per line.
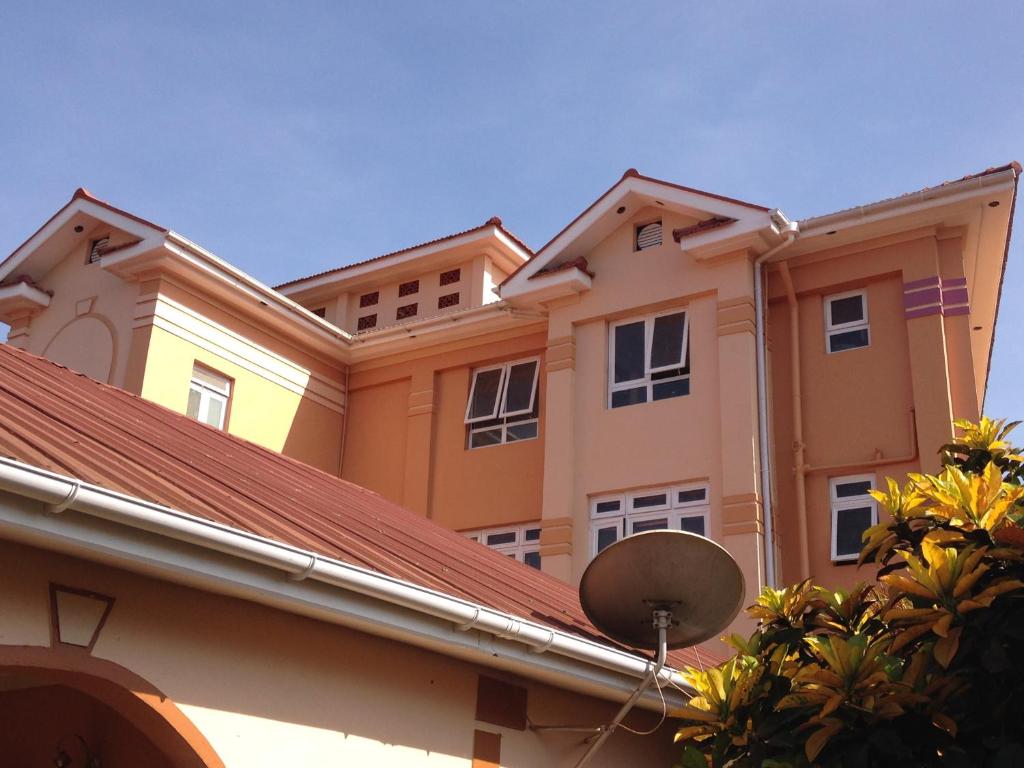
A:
839, 342
516, 432
210, 379
531, 534
640, 526
693, 525
215, 412
506, 537
629, 397
606, 536
848, 310
629, 352
519, 390
694, 496
485, 393
532, 559
650, 500
850, 524
194, 399
856, 488
666, 389
485, 437
667, 344
605, 507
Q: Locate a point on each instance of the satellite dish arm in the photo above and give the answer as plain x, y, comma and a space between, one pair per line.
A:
662, 621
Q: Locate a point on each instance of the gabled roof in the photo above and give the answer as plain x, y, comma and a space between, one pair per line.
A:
62, 421
632, 191
494, 221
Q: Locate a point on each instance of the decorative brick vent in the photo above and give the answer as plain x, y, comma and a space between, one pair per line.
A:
450, 300
409, 310
408, 289
451, 276
369, 299
366, 322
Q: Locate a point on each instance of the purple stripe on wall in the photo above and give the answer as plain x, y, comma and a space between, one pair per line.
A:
954, 282
924, 282
910, 314
952, 311
919, 298
954, 296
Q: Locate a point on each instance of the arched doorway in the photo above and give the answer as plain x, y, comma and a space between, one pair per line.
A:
58, 706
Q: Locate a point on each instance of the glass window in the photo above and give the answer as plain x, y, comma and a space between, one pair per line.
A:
208, 396
521, 543
502, 404
846, 321
853, 512
682, 508
649, 359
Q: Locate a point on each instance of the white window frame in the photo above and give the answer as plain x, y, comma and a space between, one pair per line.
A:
517, 549
500, 409
834, 329
648, 321
673, 511
839, 503
208, 392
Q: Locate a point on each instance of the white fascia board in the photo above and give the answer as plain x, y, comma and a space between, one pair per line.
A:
567, 282
60, 513
417, 252
25, 294
917, 202
753, 232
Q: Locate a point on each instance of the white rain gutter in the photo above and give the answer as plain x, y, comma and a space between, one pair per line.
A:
594, 667
792, 231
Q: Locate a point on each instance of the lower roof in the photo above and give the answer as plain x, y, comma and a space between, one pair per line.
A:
60, 420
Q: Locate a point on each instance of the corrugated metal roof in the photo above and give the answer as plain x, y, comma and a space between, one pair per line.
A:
56, 419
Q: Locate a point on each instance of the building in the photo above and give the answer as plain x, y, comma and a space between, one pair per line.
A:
547, 403
176, 596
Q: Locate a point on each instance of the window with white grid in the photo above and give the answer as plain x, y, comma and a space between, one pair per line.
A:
522, 542
680, 508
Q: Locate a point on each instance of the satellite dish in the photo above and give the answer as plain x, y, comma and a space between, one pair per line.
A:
690, 577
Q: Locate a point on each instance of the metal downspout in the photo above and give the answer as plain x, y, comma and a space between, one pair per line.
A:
764, 454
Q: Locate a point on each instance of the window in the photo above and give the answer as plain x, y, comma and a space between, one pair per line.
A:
369, 299
521, 543
409, 310
96, 248
409, 288
366, 322
451, 276
648, 359
208, 396
648, 236
853, 512
681, 508
448, 300
846, 321
502, 404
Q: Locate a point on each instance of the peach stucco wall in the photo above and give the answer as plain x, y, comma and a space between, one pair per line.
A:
406, 436
267, 688
87, 326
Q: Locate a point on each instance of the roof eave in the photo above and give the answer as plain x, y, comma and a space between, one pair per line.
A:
68, 515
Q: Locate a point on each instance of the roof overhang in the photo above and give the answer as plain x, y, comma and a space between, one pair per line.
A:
490, 239
540, 279
21, 300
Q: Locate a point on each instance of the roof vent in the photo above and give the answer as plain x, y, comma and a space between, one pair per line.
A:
648, 235
96, 249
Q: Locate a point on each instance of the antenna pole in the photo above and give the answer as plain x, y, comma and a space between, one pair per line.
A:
662, 620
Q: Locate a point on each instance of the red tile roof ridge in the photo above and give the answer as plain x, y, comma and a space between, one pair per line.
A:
494, 221
580, 263
64, 421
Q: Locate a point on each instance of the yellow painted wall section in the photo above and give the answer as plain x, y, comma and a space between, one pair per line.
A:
281, 398
407, 435
269, 689
88, 325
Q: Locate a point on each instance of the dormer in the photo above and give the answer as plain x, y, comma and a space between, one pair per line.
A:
442, 276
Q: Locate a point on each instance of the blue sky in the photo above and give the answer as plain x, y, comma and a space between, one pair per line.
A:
291, 137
